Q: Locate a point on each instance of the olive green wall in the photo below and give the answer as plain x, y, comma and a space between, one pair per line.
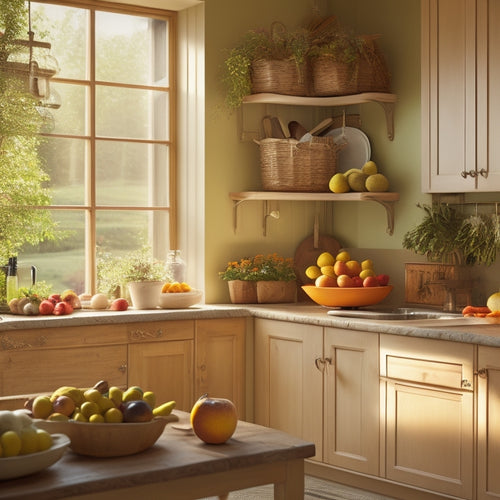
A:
233, 165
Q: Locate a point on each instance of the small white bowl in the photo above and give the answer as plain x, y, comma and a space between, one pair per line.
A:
23, 465
180, 300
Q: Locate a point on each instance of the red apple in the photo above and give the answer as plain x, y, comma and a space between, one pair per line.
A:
344, 281
214, 420
357, 281
370, 281
325, 280
62, 308
46, 307
55, 298
383, 279
119, 305
64, 405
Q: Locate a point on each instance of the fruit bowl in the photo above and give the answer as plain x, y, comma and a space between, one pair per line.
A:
108, 440
23, 465
180, 300
347, 297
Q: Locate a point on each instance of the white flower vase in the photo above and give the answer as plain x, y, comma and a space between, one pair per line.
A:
145, 294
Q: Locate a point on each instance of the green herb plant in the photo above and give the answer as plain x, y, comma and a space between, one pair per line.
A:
272, 267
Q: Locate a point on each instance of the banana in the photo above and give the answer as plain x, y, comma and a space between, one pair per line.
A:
74, 393
164, 409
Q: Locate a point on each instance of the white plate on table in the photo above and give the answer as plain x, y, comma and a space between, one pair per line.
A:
23, 465
356, 152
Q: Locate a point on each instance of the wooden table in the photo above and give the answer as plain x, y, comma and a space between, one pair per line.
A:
178, 465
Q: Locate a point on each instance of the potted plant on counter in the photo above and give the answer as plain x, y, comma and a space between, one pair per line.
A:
261, 279
138, 271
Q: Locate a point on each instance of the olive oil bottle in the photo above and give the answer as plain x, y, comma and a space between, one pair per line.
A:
12, 284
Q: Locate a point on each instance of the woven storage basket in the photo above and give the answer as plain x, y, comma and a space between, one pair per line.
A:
279, 77
373, 73
287, 165
332, 78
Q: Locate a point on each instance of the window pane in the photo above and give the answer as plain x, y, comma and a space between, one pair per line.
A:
66, 29
131, 113
65, 163
131, 49
61, 264
72, 116
131, 174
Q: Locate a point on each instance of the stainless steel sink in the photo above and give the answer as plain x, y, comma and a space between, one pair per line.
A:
397, 314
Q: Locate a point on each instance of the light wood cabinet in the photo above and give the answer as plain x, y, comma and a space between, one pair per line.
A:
320, 385
351, 400
429, 413
460, 106
488, 432
220, 360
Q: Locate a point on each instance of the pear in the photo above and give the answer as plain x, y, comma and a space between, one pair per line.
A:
377, 183
338, 183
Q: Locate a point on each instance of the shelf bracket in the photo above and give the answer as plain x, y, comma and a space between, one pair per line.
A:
275, 214
388, 108
389, 209
236, 204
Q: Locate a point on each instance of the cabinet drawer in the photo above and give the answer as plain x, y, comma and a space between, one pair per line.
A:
427, 361
160, 331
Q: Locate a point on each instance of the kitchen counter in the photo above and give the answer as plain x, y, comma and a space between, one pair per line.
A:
468, 330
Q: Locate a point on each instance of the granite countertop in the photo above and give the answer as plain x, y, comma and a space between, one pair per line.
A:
469, 330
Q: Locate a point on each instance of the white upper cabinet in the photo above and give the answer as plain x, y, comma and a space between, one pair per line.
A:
460, 108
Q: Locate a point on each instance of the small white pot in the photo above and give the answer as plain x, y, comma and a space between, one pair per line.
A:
145, 294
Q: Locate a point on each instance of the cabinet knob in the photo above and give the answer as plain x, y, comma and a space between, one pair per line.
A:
466, 383
484, 173
483, 373
472, 173
122, 368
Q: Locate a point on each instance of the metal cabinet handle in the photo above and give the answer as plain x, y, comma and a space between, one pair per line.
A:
483, 373
321, 363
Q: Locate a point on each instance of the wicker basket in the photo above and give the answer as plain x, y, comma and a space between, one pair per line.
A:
332, 78
287, 165
279, 77
373, 73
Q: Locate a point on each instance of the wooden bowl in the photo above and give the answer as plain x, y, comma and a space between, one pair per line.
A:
108, 440
347, 297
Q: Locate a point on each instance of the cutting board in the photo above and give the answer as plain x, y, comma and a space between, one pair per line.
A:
310, 249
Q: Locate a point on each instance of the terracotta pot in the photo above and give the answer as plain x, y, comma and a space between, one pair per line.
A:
272, 292
145, 294
242, 292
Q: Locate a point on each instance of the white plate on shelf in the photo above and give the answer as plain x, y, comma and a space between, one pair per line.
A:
357, 150
23, 465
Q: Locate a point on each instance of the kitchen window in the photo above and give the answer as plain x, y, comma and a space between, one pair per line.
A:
109, 147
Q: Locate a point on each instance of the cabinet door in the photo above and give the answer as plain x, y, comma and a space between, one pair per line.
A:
429, 413
448, 101
488, 434
220, 360
31, 371
166, 368
288, 386
352, 415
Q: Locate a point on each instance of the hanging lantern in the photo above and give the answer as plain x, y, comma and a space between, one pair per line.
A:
34, 64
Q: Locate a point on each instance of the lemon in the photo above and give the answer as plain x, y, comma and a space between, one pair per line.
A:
29, 440
116, 394
369, 168
367, 264
377, 183
42, 407
132, 394
92, 395
366, 272
343, 256
493, 302
353, 267
79, 417
312, 272
338, 183
325, 259
150, 398
89, 408
11, 443
328, 271
96, 418
105, 404
60, 417
44, 439
113, 416
357, 181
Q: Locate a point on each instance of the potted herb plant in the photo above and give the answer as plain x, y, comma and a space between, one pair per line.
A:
261, 279
267, 61
138, 271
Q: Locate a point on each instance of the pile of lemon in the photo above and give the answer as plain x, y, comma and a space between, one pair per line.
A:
366, 178
19, 435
